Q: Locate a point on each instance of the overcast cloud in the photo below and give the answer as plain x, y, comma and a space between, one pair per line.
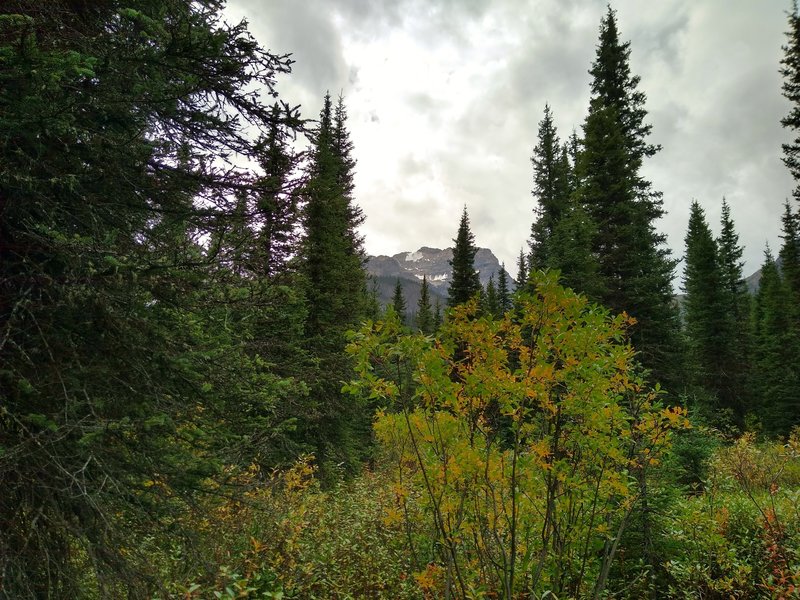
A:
445, 96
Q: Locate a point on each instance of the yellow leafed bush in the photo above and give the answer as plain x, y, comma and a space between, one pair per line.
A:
526, 439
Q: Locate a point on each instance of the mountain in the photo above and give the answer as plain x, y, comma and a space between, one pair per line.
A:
410, 267
754, 280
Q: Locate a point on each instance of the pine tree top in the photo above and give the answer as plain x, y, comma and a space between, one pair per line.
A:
614, 86
465, 282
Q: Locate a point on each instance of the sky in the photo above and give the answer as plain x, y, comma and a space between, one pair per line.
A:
444, 99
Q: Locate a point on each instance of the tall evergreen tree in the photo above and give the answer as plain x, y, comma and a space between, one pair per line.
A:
737, 339
573, 150
730, 255
438, 319
777, 352
503, 292
634, 266
425, 317
522, 270
332, 250
705, 311
399, 301
614, 85
790, 70
373, 306
571, 250
276, 206
790, 250
465, 283
124, 388
332, 263
550, 189
491, 301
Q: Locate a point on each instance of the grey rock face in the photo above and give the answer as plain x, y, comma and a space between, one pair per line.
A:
430, 262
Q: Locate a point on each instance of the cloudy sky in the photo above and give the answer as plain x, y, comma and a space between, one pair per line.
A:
445, 96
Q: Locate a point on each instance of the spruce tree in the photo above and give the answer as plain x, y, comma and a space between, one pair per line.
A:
332, 251
425, 317
438, 319
550, 190
522, 270
790, 250
705, 313
276, 206
790, 70
503, 293
634, 266
125, 387
332, 261
573, 150
399, 302
491, 300
571, 250
736, 337
465, 283
373, 305
777, 352
730, 256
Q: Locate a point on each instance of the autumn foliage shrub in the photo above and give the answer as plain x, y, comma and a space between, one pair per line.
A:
525, 440
740, 538
286, 538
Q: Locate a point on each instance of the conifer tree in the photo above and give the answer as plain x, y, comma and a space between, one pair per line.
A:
503, 293
705, 311
730, 256
425, 317
332, 250
522, 270
465, 283
373, 306
550, 189
491, 300
438, 319
777, 352
790, 250
276, 205
634, 266
572, 147
790, 70
571, 250
399, 302
124, 384
736, 337
332, 259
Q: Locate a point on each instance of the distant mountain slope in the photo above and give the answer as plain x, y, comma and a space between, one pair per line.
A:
410, 267
754, 280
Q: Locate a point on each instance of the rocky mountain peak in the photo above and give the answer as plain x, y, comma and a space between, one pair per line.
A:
433, 263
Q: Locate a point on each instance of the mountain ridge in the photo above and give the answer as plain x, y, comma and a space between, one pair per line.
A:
433, 263
410, 266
